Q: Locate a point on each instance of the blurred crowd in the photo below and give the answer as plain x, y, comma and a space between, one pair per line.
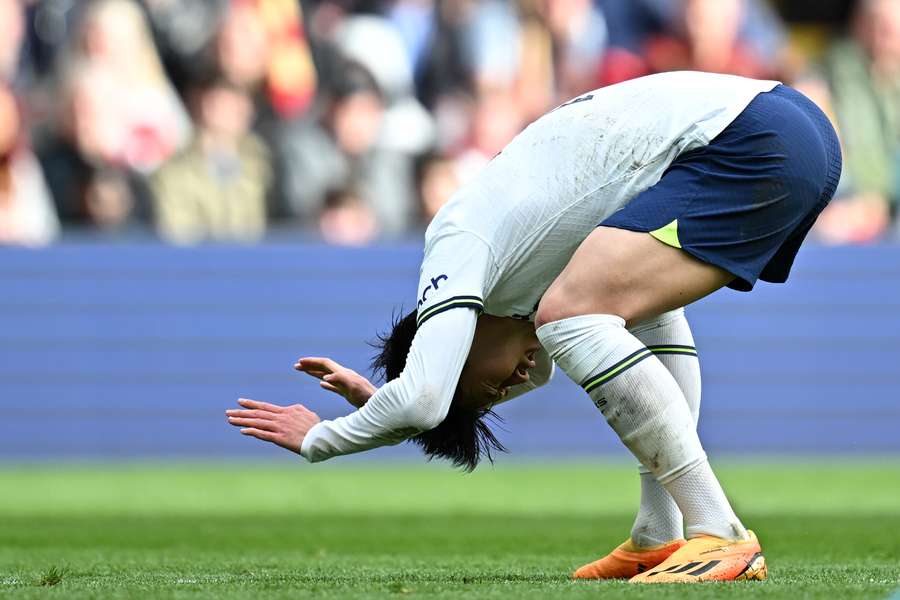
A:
354, 120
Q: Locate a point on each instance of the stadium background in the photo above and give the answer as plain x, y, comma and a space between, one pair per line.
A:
193, 193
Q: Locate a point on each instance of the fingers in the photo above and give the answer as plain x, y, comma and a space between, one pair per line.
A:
286, 429
247, 403
338, 383
263, 424
266, 436
250, 414
316, 374
331, 388
316, 365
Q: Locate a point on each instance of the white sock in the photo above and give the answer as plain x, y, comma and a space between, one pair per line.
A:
644, 405
669, 337
658, 520
703, 503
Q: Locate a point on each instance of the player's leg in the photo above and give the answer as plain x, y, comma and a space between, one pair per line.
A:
731, 212
658, 527
581, 322
740, 205
670, 339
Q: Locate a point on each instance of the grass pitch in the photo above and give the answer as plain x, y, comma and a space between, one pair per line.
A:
332, 531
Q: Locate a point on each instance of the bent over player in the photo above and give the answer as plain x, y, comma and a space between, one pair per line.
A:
579, 245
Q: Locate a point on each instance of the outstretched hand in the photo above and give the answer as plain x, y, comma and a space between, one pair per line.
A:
336, 378
284, 426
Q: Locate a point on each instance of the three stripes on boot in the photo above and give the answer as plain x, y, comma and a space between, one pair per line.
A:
699, 568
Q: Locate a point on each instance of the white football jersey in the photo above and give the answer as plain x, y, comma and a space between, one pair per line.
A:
503, 238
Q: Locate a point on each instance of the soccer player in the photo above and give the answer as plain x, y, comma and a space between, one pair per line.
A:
578, 245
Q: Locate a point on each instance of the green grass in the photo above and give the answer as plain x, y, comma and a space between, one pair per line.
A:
330, 531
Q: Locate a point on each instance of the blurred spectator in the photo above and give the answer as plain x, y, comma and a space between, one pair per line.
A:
630, 22
510, 52
863, 75
350, 95
496, 121
12, 32
441, 68
534, 84
216, 189
493, 44
346, 220
242, 45
49, 28
742, 37
144, 121
341, 149
416, 21
184, 30
261, 45
26, 209
372, 43
89, 185
117, 121
438, 180
706, 37
579, 40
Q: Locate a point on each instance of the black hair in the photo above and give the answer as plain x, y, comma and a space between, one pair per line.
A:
464, 436
354, 78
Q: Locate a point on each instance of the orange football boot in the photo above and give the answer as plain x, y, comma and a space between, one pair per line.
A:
708, 558
627, 560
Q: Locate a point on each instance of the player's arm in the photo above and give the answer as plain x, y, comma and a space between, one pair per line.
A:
451, 288
416, 401
357, 390
452, 282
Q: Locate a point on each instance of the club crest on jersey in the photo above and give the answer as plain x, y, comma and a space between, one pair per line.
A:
435, 282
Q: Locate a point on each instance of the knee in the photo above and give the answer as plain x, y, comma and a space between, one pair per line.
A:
563, 301
556, 304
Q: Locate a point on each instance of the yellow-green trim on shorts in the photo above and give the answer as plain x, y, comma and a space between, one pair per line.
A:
668, 234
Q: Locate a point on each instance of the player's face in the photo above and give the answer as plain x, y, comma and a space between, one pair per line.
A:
502, 353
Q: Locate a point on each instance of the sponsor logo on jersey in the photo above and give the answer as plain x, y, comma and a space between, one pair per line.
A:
434, 285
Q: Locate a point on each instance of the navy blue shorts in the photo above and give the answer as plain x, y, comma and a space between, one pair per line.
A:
746, 201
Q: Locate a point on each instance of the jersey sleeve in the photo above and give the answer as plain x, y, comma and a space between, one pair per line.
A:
416, 401
454, 274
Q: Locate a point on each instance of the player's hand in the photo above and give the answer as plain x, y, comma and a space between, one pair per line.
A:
284, 426
333, 377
